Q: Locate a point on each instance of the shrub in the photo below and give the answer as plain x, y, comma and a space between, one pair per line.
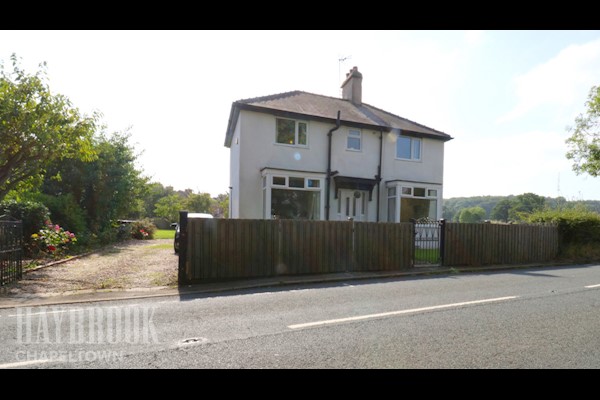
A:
65, 211
53, 240
33, 214
575, 225
143, 229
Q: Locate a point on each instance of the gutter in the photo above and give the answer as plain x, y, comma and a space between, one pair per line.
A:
378, 176
328, 176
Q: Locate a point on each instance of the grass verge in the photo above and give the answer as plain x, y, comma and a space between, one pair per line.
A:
164, 234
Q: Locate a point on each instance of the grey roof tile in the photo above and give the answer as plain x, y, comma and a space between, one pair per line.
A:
316, 105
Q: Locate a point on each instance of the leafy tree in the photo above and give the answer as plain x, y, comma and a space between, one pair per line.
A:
168, 207
106, 189
220, 206
471, 215
524, 204
448, 213
155, 191
37, 127
500, 210
584, 143
199, 203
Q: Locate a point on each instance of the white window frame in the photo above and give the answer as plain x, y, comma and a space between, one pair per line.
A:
270, 173
412, 140
352, 134
400, 186
297, 122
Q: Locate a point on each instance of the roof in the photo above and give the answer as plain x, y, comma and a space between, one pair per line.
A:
299, 104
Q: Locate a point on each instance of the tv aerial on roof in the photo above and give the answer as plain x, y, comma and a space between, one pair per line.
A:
341, 59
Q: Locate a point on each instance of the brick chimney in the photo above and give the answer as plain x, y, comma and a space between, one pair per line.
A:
352, 87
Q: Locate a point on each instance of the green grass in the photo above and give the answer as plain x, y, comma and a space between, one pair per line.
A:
427, 255
160, 246
164, 234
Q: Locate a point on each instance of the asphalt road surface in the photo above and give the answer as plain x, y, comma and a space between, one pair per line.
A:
530, 318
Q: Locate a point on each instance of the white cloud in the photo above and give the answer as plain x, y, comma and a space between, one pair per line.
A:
561, 81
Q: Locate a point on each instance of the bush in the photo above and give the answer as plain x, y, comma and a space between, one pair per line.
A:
143, 229
575, 225
65, 211
52, 240
33, 214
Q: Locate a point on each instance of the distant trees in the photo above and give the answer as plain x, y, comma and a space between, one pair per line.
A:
168, 207
524, 204
471, 215
584, 143
508, 208
501, 210
199, 202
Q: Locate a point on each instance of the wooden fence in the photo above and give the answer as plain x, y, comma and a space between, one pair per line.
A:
493, 244
219, 249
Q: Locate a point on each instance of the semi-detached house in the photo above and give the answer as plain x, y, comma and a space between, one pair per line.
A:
299, 155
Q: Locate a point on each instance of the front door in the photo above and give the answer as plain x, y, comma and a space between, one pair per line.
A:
352, 204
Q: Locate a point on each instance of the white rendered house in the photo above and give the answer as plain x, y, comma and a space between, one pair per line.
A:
291, 157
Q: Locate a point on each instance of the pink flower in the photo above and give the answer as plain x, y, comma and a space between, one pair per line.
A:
71, 235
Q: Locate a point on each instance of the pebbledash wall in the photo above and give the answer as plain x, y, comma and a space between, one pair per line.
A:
255, 155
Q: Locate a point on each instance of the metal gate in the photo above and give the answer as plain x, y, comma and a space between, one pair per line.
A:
11, 249
429, 242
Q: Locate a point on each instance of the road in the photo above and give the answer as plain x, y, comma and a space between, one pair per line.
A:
528, 318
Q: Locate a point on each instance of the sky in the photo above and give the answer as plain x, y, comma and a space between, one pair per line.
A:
506, 97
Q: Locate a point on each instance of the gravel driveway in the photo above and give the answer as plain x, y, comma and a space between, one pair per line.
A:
131, 264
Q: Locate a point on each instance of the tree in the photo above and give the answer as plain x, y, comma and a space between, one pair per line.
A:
584, 143
220, 206
155, 191
524, 204
106, 189
168, 207
471, 215
500, 210
199, 203
37, 127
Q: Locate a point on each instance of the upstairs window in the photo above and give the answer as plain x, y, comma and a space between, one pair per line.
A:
354, 140
408, 148
291, 132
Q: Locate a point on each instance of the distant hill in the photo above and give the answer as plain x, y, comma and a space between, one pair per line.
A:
452, 206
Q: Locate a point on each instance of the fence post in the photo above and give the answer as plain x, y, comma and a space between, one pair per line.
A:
183, 223
414, 244
353, 246
442, 240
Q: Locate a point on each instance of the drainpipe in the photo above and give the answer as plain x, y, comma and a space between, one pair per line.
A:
328, 177
378, 176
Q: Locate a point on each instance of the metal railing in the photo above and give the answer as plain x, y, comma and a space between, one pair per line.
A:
11, 249
429, 241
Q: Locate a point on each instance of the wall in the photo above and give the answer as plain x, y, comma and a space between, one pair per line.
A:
234, 171
257, 149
